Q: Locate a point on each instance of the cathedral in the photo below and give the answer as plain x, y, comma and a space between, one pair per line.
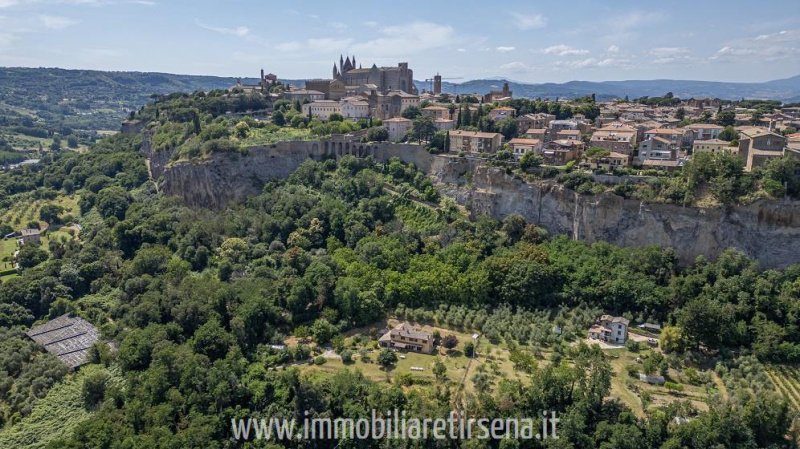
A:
383, 78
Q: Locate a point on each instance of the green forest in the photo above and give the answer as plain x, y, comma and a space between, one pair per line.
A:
202, 306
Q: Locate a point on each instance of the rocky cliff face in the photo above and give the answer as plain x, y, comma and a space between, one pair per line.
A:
231, 177
767, 230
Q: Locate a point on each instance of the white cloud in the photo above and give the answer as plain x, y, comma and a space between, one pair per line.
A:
672, 55
516, 67
612, 49
502, 49
564, 50
239, 31
324, 45
529, 21
56, 22
590, 63
461, 50
338, 26
783, 45
405, 39
8, 3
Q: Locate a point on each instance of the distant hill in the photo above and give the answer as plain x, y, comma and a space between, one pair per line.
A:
92, 99
787, 90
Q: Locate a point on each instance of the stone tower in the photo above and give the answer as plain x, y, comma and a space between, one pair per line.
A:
437, 84
506, 91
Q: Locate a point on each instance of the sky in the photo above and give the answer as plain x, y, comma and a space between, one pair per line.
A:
524, 41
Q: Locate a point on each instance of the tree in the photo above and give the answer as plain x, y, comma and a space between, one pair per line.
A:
336, 117
514, 227
728, 134
242, 129
112, 202
94, 388
439, 370
449, 342
423, 128
387, 358
469, 349
323, 331
726, 118
50, 213
347, 356
671, 339
378, 134
411, 112
56, 144
529, 160
30, 255
507, 127
72, 141
278, 118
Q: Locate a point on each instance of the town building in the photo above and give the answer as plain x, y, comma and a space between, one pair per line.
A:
475, 141
759, 145
498, 95
520, 146
408, 338
704, 131
303, 95
398, 127
502, 112
385, 79
321, 109
610, 329
559, 152
713, 146
444, 124
533, 121
436, 112
391, 104
657, 148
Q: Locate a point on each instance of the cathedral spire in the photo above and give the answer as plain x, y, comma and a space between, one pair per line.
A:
335, 72
341, 63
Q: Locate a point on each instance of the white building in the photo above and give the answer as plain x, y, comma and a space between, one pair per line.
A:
610, 329
322, 109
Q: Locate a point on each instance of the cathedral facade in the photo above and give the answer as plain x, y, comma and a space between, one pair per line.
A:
384, 79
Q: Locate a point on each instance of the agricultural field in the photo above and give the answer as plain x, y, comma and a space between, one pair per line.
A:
26, 210
786, 379
686, 384
490, 358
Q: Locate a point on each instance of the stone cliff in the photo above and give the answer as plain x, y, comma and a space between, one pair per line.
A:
766, 230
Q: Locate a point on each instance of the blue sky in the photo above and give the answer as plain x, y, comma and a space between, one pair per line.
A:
519, 40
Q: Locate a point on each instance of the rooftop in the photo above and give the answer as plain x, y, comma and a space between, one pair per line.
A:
67, 338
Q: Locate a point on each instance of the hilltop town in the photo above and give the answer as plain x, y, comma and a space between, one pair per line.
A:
623, 136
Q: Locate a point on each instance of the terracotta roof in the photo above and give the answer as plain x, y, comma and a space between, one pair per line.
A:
473, 134
523, 141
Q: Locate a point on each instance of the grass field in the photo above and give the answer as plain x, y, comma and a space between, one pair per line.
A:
262, 136
494, 358
55, 415
26, 210
630, 391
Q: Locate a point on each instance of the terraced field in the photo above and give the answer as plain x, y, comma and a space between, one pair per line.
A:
786, 379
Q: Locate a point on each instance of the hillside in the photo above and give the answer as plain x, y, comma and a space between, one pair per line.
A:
787, 90
91, 99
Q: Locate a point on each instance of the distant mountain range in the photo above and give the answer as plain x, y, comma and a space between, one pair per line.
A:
787, 90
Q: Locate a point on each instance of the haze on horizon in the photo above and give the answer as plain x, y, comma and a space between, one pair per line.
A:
543, 42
